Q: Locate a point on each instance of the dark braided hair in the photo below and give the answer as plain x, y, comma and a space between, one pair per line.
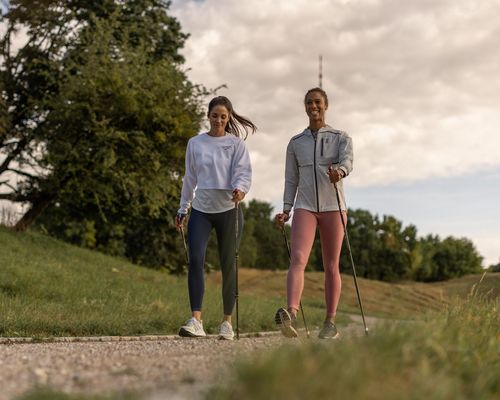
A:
320, 91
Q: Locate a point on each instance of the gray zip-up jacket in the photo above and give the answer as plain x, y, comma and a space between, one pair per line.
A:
307, 184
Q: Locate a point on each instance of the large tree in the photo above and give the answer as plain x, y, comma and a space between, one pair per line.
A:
95, 115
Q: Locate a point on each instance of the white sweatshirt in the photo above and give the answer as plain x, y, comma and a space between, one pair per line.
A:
220, 162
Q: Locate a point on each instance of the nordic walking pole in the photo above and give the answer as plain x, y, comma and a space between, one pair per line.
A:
290, 259
236, 256
350, 256
185, 246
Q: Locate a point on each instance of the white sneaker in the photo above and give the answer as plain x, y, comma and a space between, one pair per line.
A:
192, 328
226, 331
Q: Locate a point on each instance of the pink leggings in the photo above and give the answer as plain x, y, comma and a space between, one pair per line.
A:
331, 233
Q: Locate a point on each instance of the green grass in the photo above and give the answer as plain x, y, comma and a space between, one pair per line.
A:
49, 288
449, 355
49, 394
402, 300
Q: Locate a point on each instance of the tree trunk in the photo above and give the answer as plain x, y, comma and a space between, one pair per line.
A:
37, 208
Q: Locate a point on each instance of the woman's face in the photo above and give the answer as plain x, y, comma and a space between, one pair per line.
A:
315, 106
218, 117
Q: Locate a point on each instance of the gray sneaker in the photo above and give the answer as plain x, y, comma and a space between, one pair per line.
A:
286, 323
329, 331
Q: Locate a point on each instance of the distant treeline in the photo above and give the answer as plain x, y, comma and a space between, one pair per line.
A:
382, 248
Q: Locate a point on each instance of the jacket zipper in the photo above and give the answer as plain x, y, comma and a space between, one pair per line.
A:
315, 176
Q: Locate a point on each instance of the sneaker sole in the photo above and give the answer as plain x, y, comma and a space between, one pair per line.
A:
185, 333
337, 335
221, 337
285, 324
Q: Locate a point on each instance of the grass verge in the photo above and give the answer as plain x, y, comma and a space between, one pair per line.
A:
49, 394
49, 288
449, 355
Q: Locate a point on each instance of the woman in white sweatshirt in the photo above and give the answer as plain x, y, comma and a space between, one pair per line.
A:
218, 174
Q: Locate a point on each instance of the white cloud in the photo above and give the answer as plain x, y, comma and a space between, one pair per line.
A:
413, 82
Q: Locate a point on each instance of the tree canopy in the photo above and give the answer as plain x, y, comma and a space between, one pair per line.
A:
95, 115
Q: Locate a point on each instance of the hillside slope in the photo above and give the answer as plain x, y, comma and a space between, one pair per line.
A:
50, 288
396, 300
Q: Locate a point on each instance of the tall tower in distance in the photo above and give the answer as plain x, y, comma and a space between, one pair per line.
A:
320, 71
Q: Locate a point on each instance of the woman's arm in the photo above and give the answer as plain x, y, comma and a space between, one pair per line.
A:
242, 168
345, 154
291, 178
189, 181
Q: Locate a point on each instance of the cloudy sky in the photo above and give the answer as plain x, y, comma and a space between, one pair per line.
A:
414, 82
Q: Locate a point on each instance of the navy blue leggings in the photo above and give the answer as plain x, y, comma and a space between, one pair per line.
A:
199, 227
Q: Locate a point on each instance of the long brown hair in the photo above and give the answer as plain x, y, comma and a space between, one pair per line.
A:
237, 124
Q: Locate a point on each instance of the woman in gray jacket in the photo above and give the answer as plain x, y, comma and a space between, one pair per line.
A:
316, 159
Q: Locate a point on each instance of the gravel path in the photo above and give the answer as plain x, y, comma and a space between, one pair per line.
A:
166, 367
